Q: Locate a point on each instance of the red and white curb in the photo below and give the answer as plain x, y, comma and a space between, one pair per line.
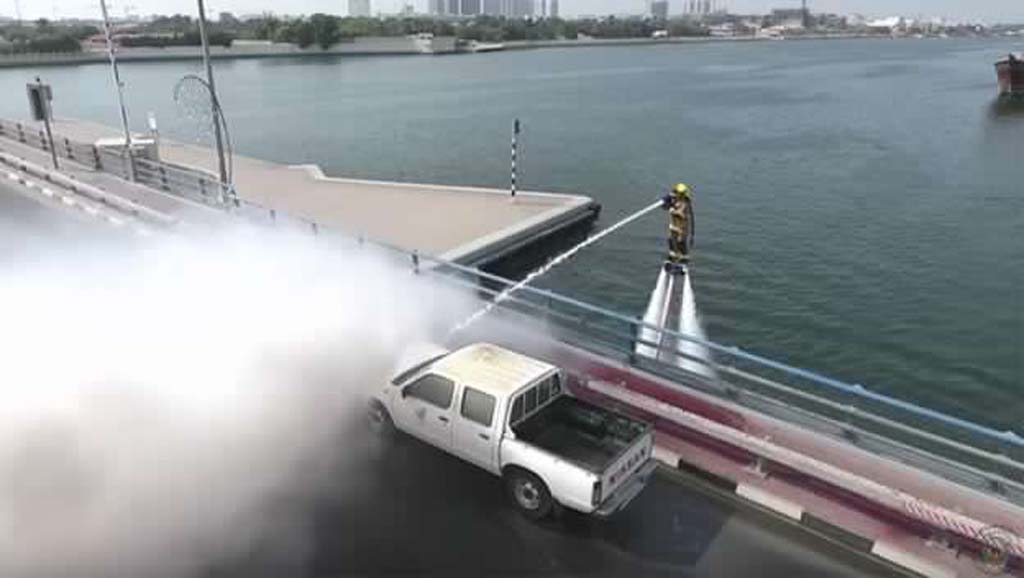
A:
885, 550
929, 513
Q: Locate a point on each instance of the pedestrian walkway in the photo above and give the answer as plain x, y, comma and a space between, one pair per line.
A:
471, 225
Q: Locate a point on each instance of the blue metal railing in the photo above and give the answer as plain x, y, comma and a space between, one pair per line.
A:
988, 460
734, 351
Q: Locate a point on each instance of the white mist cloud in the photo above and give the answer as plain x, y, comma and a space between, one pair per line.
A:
166, 406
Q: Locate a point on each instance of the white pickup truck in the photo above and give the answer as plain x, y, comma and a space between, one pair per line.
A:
510, 414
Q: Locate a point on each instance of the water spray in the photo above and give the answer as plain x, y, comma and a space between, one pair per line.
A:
672, 305
558, 260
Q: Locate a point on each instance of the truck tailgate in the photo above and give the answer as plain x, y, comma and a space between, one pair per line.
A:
625, 465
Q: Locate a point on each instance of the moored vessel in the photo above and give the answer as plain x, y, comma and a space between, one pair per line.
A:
1010, 72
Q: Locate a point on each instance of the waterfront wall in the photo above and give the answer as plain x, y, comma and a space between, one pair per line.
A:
364, 46
368, 46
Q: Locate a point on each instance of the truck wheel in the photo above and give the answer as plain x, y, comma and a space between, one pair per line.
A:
380, 420
529, 494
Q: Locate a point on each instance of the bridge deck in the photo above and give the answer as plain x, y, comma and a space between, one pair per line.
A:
464, 224
676, 527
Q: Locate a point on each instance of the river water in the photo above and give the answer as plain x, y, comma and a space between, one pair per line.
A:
860, 208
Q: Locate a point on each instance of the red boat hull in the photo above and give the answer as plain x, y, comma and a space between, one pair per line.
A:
1011, 76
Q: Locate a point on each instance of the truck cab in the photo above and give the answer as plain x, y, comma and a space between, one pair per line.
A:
512, 416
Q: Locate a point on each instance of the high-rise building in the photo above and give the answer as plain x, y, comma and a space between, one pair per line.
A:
659, 9
507, 8
458, 7
553, 8
521, 8
358, 7
492, 7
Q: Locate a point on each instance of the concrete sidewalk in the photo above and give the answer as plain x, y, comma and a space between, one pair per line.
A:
470, 225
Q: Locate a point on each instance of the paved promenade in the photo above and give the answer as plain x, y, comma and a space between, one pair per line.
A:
471, 225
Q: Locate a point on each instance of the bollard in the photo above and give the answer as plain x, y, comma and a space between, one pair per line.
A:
416, 262
21, 133
996, 487
634, 330
850, 435
96, 158
67, 146
202, 187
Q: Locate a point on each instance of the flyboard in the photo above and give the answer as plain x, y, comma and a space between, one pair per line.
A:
672, 307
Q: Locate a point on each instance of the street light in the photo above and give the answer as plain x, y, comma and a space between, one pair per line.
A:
120, 90
221, 162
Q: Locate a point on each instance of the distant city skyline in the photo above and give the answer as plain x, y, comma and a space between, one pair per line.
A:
987, 10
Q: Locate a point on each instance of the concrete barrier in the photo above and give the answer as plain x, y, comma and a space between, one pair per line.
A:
96, 194
931, 514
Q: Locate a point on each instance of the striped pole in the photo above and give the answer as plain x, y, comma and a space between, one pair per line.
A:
515, 152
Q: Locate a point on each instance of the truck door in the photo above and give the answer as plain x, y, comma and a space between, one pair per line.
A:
425, 410
476, 439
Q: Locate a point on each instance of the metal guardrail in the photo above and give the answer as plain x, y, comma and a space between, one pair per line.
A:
193, 184
964, 452
959, 450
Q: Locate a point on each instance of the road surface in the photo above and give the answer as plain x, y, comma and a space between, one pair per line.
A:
413, 510
30, 224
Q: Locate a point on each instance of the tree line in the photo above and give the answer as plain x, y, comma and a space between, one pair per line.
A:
325, 30
43, 36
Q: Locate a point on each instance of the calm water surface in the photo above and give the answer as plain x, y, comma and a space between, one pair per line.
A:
860, 203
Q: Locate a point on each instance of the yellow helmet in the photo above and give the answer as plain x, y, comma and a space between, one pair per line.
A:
682, 191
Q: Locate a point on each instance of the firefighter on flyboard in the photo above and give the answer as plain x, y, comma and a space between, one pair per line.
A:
679, 204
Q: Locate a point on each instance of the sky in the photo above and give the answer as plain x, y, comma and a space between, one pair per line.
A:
985, 10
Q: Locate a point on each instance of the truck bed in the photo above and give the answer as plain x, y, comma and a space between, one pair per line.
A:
583, 433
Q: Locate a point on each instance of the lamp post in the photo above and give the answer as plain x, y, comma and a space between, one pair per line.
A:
120, 90
221, 162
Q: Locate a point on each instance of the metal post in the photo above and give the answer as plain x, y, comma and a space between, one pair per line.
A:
120, 90
49, 140
515, 153
221, 162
